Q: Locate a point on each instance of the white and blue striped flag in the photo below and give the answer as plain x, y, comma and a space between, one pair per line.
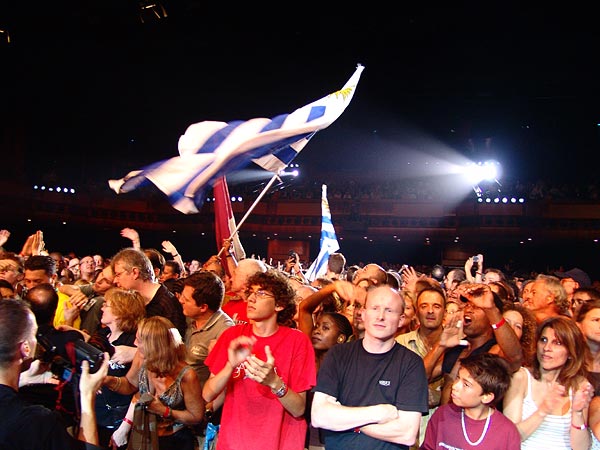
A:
329, 243
209, 150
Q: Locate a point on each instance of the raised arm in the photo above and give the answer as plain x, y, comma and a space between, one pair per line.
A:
508, 342
88, 385
307, 307
133, 236
170, 248
237, 352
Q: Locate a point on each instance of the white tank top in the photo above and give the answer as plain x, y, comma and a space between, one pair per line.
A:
553, 433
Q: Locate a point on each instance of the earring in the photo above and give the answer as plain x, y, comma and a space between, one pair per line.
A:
341, 339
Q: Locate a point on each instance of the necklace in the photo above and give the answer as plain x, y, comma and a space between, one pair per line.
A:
485, 428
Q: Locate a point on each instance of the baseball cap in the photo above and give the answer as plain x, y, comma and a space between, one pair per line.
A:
578, 275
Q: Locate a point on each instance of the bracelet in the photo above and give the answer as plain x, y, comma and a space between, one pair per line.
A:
279, 393
117, 384
175, 255
495, 326
167, 413
579, 427
126, 420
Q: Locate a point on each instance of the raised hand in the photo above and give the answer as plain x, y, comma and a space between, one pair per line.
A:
553, 398
583, 396
239, 349
410, 278
168, 247
478, 294
261, 371
132, 235
4, 235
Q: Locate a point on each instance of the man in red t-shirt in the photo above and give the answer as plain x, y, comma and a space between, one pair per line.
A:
263, 369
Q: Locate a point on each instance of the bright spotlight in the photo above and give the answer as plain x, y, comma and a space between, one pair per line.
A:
293, 173
482, 171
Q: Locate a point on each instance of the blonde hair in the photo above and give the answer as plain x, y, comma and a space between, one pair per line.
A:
127, 306
163, 348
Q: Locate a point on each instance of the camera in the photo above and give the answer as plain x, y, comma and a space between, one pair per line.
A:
62, 367
476, 258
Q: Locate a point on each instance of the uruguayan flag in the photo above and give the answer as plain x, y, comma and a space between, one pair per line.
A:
208, 150
329, 243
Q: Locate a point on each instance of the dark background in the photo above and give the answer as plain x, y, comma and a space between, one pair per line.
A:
89, 92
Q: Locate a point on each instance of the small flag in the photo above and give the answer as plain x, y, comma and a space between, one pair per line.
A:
225, 223
208, 150
329, 243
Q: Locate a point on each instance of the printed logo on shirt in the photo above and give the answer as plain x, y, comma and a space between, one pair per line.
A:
239, 372
385, 382
449, 447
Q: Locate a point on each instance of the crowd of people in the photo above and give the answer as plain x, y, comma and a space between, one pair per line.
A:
138, 350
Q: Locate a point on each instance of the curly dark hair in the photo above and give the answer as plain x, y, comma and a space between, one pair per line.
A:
528, 339
278, 284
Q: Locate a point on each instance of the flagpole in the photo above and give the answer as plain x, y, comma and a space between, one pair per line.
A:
260, 196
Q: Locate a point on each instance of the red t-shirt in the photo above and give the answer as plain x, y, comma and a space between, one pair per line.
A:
253, 418
236, 309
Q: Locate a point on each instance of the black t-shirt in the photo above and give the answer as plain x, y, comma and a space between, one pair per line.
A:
452, 354
165, 304
30, 427
356, 377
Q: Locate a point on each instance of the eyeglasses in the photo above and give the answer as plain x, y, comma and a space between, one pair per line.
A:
259, 294
119, 274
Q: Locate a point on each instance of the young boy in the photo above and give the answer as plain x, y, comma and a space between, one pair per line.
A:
471, 420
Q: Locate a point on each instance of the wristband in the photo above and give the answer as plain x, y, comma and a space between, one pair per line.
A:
579, 427
167, 413
175, 255
495, 326
279, 393
115, 387
127, 421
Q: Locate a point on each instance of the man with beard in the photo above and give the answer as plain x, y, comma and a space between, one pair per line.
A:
430, 308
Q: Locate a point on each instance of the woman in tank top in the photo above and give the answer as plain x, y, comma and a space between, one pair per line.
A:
549, 403
177, 401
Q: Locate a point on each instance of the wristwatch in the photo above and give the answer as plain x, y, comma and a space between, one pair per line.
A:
279, 393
